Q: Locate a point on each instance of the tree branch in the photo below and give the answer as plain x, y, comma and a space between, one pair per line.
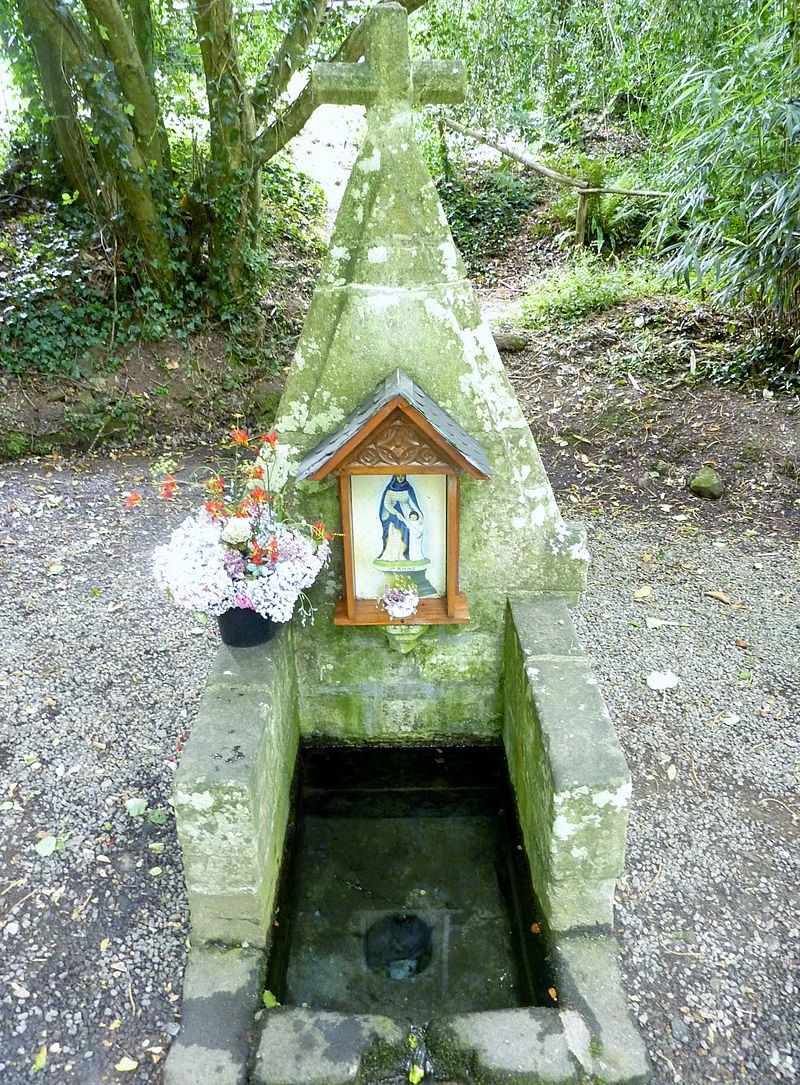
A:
277, 134
284, 63
121, 47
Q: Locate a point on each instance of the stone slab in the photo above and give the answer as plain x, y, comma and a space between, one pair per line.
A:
221, 994
508, 1047
570, 776
588, 978
312, 1047
231, 793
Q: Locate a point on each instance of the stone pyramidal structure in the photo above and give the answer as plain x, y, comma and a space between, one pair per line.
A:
394, 293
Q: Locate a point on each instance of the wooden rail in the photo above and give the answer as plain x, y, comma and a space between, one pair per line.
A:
584, 188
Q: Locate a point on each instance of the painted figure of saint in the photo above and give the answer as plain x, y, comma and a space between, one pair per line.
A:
402, 523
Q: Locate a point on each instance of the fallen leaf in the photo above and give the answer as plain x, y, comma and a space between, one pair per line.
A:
672, 772
720, 596
553, 993
115, 1024
136, 806
662, 680
656, 623
730, 718
742, 644
40, 1059
104, 944
416, 1074
55, 568
269, 1000
46, 846
535, 928
643, 593
125, 1065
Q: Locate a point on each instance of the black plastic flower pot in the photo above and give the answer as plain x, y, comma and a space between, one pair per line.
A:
243, 628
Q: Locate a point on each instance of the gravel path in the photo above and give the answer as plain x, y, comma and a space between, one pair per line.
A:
100, 678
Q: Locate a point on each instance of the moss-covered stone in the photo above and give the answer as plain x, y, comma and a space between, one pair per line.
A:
570, 776
707, 483
394, 293
231, 794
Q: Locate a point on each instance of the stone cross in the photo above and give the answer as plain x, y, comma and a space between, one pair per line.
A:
388, 78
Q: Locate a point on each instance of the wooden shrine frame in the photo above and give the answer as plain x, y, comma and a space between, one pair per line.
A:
399, 440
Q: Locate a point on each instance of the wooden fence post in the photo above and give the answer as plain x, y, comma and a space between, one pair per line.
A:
580, 218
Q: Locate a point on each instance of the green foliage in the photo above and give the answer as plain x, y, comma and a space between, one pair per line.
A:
769, 358
542, 65
69, 302
588, 284
294, 206
613, 221
53, 294
736, 168
484, 207
67, 299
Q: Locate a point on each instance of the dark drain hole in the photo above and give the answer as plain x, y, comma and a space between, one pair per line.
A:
399, 946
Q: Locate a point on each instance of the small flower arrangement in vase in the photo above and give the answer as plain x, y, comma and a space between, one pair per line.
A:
240, 558
401, 598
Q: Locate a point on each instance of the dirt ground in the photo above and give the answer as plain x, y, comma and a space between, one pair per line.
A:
618, 402
625, 426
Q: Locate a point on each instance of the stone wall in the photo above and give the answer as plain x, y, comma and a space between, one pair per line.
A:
352, 687
568, 770
232, 791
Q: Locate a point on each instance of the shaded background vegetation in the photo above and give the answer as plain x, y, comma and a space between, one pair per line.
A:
145, 190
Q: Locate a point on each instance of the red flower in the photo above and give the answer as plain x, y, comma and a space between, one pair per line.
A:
214, 508
257, 472
169, 488
259, 494
270, 438
273, 551
240, 437
257, 554
320, 532
134, 498
214, 485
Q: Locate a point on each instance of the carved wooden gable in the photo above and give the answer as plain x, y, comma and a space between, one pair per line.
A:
399, 441
397, 425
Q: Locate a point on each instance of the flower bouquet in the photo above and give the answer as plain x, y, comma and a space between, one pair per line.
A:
401, 598
240, 551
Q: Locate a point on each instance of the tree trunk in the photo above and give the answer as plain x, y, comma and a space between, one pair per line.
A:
111, 124
284, 63
144, 112
233, 176
56, 95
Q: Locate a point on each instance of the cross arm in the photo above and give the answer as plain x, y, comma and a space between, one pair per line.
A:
342, 84
439, 82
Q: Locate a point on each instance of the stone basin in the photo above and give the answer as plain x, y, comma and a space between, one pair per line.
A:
562, 1017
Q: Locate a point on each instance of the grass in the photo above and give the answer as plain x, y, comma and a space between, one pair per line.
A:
588, 284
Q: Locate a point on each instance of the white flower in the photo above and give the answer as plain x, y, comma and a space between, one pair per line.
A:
237, 530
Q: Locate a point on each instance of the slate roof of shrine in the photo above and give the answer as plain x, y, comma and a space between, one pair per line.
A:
398, 384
